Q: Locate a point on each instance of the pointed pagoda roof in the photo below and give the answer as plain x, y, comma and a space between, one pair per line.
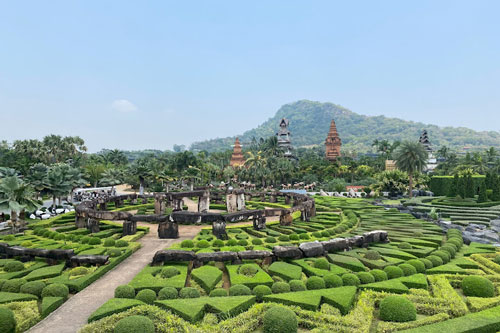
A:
237, 158
333, 143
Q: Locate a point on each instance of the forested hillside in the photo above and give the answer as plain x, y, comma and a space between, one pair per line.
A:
309, 123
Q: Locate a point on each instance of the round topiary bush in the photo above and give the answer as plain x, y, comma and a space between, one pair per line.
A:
219, 292
280, 287
350, 279
450, 249
304, 236
405, 245
333, 281
56, 290
108, 242
365, 277
85, 240
135, 324
121, 243
378, 275
33, 288
298, 285
497, 259
203, 244
169, 272
316, 234
270, 239
27, 244
243, 242
113, 253
294, 237
393, 272
262, 290
13, 285
13, 266
325, 233
477, 286
78, 271
322, 263
248, 269
427, 263
284, 238
257, 241
148, 296
435, 260
7, 321
315, 282
124, 291
239, 290
232, 242
217, 243
279, 320
445, 256
407, 269
60, 236
189, 292
397, 308
187, 243
372, 255
94, 241
168, 293
419, 266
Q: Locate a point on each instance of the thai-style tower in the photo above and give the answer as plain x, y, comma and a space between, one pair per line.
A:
237, 158
333, 143
284, 141
431, 162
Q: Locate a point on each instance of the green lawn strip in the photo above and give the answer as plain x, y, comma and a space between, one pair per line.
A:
285, 270
149, 278
391, 252
112, 306
391, 286
193, 309
416, 281
347, 262
6, 297
49, 304
260, 277
207, 276
473, 250
464, 263
306, 265
15, 275
341, 298
45, 272
446, 269
485, 321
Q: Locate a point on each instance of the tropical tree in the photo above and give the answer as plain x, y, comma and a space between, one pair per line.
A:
37, 177
16, 196
112, 177
140, 169
94, 172
8, 172
411, 158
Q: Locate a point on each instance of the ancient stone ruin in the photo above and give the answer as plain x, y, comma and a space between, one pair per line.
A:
333, 143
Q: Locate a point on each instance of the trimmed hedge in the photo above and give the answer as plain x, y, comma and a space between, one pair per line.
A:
49, 304
7, 321
207, 277
112, 306
397, 308
135, 324
279, 319
124, 291
477, 286
285, 271
56, 290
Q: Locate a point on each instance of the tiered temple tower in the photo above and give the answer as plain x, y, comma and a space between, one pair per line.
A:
431, 162
333, 143
284, 141
237, 158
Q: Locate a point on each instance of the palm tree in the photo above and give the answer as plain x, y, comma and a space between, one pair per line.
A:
112, 177
140, 169
411, 157
94, 172
8, 172
37, 177
16, 196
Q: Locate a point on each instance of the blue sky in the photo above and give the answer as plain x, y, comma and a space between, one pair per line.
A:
148, 74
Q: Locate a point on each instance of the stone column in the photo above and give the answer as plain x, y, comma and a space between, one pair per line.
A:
129, 228
177, 205
159, 205
240, 201
204, 203
144, 200
272, 198
93, 225
286, 219
219, 229
231, 203
259, 222
168, 230
287, 200
80, 221
263, 197
304, 216
103, 206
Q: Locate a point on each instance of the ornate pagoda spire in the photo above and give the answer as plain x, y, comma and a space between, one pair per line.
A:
424, 140
333, 143
237, 158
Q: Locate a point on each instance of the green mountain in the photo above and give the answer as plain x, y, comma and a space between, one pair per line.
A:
310, 121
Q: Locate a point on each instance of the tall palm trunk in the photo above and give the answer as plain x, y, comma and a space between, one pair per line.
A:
410, 178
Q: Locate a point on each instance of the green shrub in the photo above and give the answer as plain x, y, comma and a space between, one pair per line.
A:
232, 242
7, 321
477, 286
243, 242
113, 253
85, 240
147, 296
350, 279
322, 263
135, 324
365, 277
218, 292
316, 234
94, 241
13, 266
33, 288
168, 293
78, 271
261, 291
218, 243
239, 290
169, 272
407, 269
2, 281
397, 308
419, 266
248, 269
315, 282
284, 238
189, 292
450, 249
325, 233
203, 244
256, 241
497, 259
298, 285
393, 272
187, 243
304, 236
435, 260
124, 291
279, 320
332, 281
108, 242
372, 255
56, 290
378, 275
27, 244
270, 239
294, 237
121, 243
13, 285
405, 245
445, 256
427, 263
280, 287
60, 236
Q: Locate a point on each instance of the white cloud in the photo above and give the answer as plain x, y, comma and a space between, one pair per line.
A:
123, 105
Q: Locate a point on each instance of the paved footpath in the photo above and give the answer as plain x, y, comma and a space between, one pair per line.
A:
73, 314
